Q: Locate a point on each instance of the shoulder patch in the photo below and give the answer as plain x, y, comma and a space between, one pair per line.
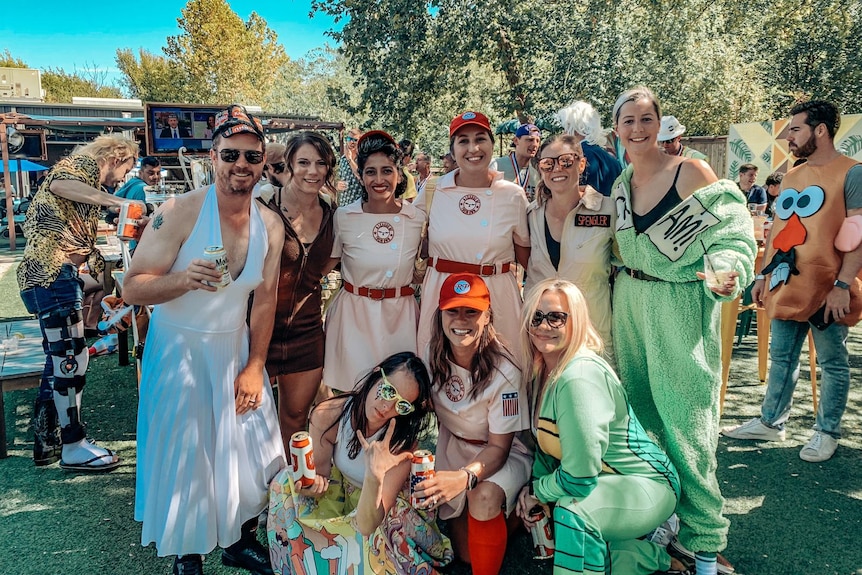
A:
510, 404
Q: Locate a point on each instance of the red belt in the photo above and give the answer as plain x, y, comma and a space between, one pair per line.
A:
378, 293
450, 267
470, 441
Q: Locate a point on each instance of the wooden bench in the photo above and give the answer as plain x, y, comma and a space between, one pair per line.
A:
21, 368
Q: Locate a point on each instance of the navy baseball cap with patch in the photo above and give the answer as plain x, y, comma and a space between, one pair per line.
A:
235, 120
526, 130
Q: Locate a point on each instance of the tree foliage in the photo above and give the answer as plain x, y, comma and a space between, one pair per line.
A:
62, 86
7, 60
151, 77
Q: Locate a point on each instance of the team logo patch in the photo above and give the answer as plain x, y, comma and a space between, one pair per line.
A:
455, 389
468, 116
593, 221
383, 232
510, 404
461, 287
470, 204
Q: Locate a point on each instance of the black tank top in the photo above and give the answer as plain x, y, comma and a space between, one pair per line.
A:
553, 246
667, 203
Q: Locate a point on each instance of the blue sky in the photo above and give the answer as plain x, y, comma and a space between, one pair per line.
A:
70, 34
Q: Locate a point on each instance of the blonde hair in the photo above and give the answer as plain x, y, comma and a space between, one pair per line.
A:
633, 95
581, 118
580, 328
109, 147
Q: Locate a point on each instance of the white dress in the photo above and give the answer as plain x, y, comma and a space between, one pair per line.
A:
203, 470
376, 251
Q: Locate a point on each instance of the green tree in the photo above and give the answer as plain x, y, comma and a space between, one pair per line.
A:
152, 78
62, 86
7, 60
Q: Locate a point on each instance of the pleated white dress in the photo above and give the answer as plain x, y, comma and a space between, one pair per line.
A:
202, 469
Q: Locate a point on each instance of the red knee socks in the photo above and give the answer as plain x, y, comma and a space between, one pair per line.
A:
486, 541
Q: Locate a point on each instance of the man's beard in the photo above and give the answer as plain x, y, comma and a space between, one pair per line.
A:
806, 149
225, 183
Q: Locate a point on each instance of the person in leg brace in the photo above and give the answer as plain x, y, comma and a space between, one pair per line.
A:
64, 331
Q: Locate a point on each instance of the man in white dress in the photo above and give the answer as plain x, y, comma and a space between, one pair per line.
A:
208, 439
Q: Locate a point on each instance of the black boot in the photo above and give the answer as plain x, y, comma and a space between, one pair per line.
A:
47, 446
188, 565
248, 553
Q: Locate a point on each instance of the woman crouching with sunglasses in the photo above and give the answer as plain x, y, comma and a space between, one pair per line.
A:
608, 482
295, 359
480, 406
356, 515
572, 230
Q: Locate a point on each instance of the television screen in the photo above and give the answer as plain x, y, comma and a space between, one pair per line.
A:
172, 126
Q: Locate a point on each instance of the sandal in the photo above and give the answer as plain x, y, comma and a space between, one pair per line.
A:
87, 466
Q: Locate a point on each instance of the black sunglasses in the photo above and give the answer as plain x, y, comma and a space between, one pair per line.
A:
231, 156
555, 319
277, 168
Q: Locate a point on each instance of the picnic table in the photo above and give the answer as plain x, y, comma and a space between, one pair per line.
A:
20, 367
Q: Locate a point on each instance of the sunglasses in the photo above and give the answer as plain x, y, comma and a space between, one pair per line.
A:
555, 319
388, 392
350, 138
276, 168
564, 160
230, 156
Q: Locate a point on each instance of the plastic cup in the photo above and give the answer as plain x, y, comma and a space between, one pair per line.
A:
717, 269
752, 208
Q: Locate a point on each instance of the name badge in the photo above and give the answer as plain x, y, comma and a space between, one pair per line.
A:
593, 221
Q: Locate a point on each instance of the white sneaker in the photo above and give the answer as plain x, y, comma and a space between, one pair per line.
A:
754, 429
820, 447
664, 533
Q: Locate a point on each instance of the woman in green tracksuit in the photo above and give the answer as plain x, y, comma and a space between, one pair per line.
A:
608, 482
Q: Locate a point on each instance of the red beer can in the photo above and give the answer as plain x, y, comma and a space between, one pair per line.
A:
302, 458
543, 537
128, 222
422, 468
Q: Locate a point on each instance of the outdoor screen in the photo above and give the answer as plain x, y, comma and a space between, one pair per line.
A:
171, 126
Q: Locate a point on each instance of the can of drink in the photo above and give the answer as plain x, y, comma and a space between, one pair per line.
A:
128, 222
302, 458
218, 255
421, 469
543, 537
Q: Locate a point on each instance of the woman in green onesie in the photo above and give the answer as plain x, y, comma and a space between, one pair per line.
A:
671, 211
608, 482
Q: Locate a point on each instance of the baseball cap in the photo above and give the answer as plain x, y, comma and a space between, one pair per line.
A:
235, 120
468, 118
670, 129
526, 130
464, 290
377, 134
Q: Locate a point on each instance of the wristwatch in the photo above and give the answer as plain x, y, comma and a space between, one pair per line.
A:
472, 479
841, 284
759, 277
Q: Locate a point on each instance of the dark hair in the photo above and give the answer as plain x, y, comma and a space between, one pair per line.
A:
319, 142
747, 168
407, 147
490, 353
543, 194
379, 144
774, 179
453, 136
151, 161
407, 427
819, 112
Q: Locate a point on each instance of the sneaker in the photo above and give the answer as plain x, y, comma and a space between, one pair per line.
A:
188, 565
820, 447
754, 429
664, 533
723, 566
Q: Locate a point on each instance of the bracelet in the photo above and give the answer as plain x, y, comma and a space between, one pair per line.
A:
759, 277
472, 478
841, 284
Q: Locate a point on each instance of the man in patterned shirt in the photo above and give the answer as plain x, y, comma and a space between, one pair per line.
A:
61, 229
349, 187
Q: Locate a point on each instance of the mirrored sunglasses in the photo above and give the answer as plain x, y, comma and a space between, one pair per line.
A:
555, 319
564, 160
251, 156
388, 392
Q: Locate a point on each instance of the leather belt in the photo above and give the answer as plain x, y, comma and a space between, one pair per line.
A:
470, 441
377, 293
639, 275
450, 267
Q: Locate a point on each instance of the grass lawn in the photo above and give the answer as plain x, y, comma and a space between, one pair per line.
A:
787, 516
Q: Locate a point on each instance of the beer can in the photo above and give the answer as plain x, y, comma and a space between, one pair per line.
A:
128, 222
302, 458
543, 537
218, 255
421, 468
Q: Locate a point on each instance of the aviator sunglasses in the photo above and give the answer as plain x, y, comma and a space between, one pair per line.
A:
555, 319
565, 161
251, 156
276, 168
388, 392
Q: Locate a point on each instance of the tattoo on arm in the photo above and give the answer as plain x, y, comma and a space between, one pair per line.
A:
158, 221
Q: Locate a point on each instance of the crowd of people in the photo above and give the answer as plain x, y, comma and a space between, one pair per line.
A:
551, 310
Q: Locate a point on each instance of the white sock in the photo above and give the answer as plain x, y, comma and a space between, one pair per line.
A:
705, 565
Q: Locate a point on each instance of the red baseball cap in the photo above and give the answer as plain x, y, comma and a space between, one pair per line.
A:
467, 118
464, 290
